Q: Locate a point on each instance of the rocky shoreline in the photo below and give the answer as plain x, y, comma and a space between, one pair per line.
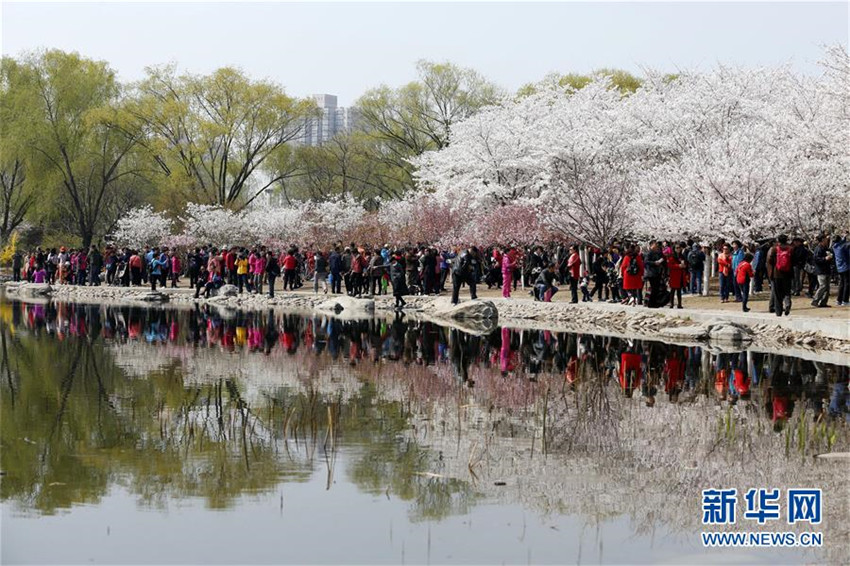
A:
483, 315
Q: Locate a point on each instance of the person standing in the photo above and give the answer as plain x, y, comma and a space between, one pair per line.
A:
743, 274
398, 279
780, 271
724, 272
320, 273
823, 269
508, 266
737, 257
176, 268
632, 270
272, 268
574, 270
17, 265
653, 272
464, 270
242, 268
335, 265
676, 269
841, 252
95, 266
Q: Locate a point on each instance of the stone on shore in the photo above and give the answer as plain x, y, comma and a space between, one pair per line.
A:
29, 290
347, 306
688, 333
722, 331
148, 297
225, 291
467, 310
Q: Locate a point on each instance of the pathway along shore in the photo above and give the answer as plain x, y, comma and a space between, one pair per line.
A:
827, 336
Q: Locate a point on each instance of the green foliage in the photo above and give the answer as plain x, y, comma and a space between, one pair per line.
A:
405, 122
61, 108
218, 138
623, 81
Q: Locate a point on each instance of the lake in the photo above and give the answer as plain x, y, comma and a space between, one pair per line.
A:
197, 435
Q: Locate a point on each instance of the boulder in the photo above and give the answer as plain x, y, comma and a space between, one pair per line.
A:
149, 297
689, 333
468, 310
29, 290
349, 307
728, 332
225, 291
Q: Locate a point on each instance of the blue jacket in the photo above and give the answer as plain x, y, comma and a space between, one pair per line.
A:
737, 257
841, 250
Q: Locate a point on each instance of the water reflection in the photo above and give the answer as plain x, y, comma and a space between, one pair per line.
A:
215, 404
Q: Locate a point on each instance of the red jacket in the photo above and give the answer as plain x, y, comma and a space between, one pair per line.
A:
744, 272
676, 271
574, 264
632, 282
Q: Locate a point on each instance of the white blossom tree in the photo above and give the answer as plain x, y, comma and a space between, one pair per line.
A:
142, 226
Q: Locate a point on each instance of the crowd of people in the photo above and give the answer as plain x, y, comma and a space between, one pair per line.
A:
654, 275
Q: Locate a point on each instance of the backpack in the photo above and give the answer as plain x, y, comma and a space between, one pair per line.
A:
693, 259
633, 268
783, 259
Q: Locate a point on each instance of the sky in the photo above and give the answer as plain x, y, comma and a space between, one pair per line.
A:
345, 48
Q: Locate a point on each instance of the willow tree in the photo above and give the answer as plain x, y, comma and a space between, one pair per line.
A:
61, 111
218, 138
417, 117
16, 193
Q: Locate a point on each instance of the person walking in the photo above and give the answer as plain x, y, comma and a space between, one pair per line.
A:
157, 265
398, 279
823, 260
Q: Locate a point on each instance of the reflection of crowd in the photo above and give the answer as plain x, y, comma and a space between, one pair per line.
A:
639, 368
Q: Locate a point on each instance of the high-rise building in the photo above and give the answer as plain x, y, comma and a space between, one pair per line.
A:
332, 121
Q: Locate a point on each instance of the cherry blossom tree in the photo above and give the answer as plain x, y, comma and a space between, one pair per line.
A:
142, 226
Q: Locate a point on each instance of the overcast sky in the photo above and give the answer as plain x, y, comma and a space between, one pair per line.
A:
346, 48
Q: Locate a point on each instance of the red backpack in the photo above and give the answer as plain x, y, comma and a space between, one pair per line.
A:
783, 259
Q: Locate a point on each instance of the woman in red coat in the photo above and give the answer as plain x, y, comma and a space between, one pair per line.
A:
677, 272
632, 270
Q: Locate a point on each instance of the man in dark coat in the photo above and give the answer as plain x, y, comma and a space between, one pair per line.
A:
398, 279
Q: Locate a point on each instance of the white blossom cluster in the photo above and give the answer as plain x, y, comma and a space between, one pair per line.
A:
732, 153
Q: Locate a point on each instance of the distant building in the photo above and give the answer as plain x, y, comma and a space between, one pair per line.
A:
333, 120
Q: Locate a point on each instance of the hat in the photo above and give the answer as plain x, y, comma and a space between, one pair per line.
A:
62, 249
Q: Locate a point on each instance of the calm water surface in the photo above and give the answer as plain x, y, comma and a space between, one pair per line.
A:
134, 435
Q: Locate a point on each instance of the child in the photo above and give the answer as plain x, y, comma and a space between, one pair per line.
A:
40, 275
585, 293
743, 274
